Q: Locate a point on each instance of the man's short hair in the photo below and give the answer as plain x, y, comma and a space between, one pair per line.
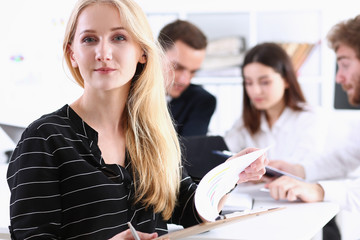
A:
184, 31
347, 33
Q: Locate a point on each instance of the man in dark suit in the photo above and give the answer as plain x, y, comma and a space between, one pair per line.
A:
190, 105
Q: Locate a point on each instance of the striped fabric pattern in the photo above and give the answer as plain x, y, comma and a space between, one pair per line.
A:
62, 189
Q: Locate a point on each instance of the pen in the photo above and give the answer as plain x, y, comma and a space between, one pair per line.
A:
223, 153
133, 231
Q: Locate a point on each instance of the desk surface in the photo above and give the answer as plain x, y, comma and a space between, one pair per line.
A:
297, 221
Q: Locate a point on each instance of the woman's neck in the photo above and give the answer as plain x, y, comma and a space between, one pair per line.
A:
104, 112
100, 110
274, 113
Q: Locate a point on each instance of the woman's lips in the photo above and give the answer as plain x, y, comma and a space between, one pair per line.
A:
104, 70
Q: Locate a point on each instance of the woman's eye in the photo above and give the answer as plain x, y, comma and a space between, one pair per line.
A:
247, 83
89, 40
119, 38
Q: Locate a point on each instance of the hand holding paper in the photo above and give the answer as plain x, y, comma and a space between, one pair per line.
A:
221, 179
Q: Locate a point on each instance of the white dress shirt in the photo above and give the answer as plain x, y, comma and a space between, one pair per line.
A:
333, 169
294, 137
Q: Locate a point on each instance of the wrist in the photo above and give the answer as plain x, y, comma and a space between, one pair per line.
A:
320, 191
299, 171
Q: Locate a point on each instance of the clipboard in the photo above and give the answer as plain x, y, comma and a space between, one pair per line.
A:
206, 226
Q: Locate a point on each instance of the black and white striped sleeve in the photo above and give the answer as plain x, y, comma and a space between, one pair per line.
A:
35, 205
185, 213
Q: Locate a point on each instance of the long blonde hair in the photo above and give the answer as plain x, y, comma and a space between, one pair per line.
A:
151, 139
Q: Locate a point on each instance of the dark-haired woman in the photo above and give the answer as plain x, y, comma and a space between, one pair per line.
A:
275, 111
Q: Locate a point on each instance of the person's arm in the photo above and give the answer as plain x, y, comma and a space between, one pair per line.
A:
198, 120
345, 192
291, 189
185, 213
35, 204
337, 163
294, 169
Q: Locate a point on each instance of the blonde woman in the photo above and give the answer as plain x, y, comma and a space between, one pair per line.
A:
112, 156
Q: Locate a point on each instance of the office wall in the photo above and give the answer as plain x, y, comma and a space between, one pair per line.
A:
34, 80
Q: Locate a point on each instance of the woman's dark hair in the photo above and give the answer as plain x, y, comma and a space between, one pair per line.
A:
274, 56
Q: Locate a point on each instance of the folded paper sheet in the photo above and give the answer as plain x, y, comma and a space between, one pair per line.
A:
219, 181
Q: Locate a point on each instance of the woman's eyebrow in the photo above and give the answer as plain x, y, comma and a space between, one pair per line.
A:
93, 31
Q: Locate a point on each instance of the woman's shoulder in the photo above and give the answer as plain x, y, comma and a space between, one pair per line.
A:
236, 130
309, 114
304, 110
238, 124
50, 120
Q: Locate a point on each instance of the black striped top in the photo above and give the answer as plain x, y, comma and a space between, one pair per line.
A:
62, 189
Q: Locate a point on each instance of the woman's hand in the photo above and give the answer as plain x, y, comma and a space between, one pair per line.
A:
255, 170
294, 169
292, 189
126, 235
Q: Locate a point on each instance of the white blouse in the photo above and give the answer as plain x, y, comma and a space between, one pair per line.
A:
295, 136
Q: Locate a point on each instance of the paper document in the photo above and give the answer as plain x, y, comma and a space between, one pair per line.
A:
238, 202
219, 181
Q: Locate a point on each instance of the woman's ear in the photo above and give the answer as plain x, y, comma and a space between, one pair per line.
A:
143, 59
72, 57
287, 85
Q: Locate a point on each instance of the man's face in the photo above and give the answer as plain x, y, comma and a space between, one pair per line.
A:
348, 74
186, 61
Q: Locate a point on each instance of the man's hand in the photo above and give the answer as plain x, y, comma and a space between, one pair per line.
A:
292, 189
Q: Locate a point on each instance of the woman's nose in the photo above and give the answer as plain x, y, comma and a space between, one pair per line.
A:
104, 52
255, 89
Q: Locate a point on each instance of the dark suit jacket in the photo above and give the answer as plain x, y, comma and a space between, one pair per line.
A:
192, 111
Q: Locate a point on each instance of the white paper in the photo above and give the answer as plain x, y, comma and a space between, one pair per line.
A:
219, 181
238, 202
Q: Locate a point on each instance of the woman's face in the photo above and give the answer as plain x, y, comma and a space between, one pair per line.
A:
103, 50
264, 86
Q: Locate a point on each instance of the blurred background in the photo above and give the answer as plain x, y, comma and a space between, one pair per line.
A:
34, 79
